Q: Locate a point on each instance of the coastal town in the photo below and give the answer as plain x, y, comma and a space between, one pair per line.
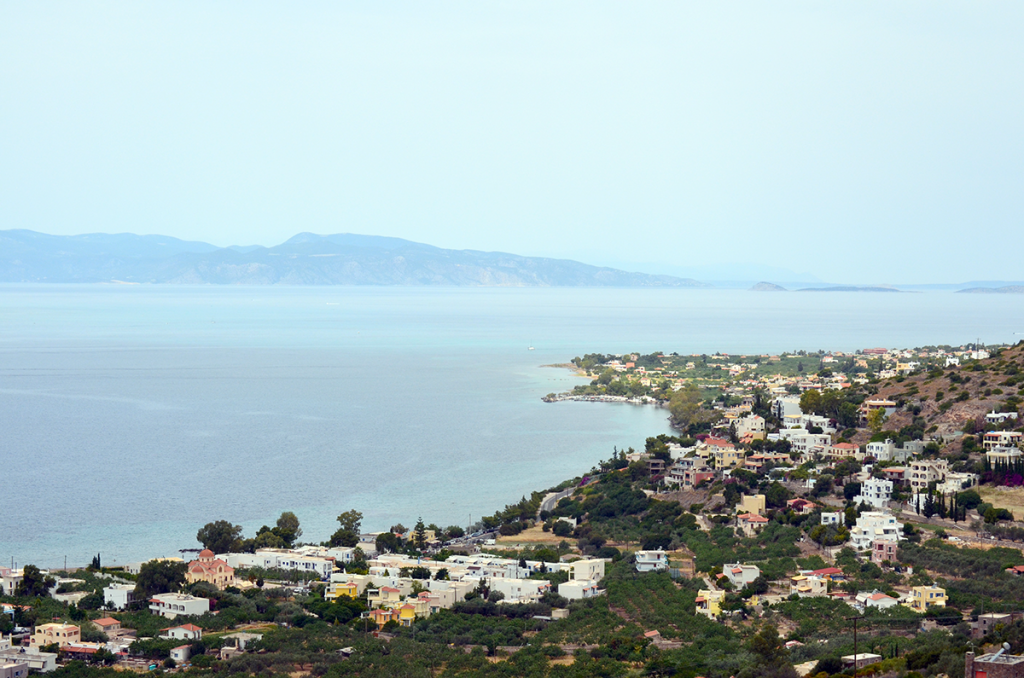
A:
814, 514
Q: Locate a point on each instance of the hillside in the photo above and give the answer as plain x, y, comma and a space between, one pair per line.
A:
305, 259
951, 397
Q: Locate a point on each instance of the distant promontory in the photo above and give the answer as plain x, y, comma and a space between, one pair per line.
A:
305, 259
767, 287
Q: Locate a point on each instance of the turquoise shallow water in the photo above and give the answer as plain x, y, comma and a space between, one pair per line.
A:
133, 415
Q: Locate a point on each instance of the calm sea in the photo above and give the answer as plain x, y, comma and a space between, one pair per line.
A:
130, 416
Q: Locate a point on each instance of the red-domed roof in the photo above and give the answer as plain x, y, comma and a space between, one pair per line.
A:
206, 553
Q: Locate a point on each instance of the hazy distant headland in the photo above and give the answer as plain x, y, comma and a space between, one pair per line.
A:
305, 259
351, 259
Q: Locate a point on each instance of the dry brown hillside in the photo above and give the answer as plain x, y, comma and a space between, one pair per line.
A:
993, 383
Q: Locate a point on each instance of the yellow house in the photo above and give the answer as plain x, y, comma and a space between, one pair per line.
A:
385, 596
407, 614
726, 457
381, 617
923, 598
61, 634
709, 603
348, 589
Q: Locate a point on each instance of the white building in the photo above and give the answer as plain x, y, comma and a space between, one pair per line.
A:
9, 579
281, 559
785, 406
43, 662
753, 424
578, 589
956, 482
651, 561
740, 575
874, 526
180, 654
1003, 455
13, 669
134, 568
520, 590
876, 599
586, 569
828, 518
183, 632
172, 605
119, 596
994, 439
824, 423
874, 492
994, 417
888, 451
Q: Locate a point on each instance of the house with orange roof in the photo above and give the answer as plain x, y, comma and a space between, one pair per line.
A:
751, 523
210, 569
381, 616
385, 596
801, 505
108, 625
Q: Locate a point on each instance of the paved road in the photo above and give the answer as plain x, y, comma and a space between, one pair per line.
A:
552, 498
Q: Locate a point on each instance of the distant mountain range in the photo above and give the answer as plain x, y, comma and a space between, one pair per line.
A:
305, 259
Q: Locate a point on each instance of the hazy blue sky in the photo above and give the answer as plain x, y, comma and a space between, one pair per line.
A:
856, 141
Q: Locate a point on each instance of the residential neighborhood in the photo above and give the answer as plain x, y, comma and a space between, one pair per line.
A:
846, 517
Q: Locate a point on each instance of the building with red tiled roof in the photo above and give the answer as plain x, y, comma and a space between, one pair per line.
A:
830, 573
107, 625
210, 569
750, 523
801, 505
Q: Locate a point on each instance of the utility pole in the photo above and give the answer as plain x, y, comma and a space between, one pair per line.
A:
855, 646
